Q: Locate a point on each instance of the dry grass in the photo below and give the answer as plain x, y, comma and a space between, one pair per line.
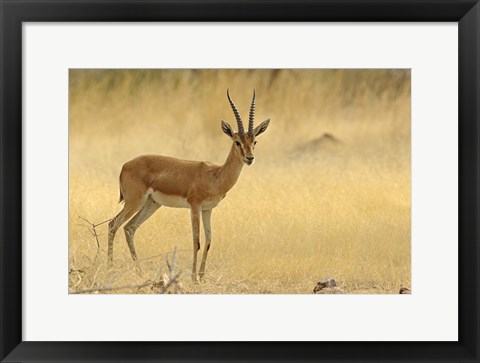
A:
302, 212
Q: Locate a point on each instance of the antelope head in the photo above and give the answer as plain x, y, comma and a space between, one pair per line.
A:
244, 142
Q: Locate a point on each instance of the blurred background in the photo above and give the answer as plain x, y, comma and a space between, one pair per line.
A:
328, 195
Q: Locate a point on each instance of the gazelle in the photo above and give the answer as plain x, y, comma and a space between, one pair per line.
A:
150, 181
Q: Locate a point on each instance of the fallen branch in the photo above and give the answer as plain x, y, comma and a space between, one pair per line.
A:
172, 279
111, 288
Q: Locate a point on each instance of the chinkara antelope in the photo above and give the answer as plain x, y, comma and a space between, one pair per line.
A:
150, 181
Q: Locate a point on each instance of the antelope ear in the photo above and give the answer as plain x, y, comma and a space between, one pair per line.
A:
260, 129
227, 129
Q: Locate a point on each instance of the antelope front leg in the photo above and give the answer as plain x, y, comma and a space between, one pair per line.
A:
206, 215
196, 239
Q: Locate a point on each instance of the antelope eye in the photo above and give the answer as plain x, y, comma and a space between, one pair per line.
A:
237, 143
254, 143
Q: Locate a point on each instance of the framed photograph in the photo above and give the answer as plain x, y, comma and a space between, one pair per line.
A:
241, 181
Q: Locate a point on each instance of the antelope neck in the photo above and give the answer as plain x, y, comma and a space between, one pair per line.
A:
230, 170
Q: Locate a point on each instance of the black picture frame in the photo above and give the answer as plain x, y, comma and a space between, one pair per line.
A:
14, 12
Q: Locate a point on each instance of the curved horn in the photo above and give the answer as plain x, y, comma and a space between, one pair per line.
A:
237, 115
251, 115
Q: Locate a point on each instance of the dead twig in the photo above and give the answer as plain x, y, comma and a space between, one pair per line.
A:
172, 279
160, 255
165, 287
111, 288
92, 227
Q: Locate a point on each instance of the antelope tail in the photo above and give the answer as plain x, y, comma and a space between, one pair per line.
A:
121, 199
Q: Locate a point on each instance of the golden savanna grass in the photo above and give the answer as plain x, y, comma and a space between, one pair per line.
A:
310, 207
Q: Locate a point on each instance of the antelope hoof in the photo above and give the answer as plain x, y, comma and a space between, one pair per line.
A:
194, 277
137, 268
201, 275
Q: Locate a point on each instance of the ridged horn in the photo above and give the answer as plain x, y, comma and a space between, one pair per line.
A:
241, 131
251, 115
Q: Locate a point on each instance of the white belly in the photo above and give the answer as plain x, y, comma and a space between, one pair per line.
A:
209, 204
173, 201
